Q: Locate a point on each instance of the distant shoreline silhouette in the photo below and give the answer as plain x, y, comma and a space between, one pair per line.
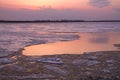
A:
41, 21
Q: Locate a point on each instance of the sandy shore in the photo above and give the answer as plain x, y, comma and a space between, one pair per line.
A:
103, 65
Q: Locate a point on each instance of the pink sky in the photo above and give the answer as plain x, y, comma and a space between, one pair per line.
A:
59, 9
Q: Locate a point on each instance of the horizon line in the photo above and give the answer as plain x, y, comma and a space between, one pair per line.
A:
37, 21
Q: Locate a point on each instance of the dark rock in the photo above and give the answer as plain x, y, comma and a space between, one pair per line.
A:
92, 58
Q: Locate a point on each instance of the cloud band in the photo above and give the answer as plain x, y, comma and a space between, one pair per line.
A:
99, 3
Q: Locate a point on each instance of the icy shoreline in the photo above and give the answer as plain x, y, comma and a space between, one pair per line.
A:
102, 65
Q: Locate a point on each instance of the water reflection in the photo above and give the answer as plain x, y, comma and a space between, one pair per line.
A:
99, 38
88, 42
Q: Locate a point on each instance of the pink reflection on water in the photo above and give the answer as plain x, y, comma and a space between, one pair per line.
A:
88, 42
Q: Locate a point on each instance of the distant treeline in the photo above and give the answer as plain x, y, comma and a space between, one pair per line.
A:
38, 21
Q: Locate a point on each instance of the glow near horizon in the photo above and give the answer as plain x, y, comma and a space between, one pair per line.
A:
37, 4
108, 8
55, 4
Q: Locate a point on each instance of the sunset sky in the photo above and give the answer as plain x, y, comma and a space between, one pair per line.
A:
59, 9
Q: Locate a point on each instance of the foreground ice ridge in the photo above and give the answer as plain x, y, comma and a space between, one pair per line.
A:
93, 66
